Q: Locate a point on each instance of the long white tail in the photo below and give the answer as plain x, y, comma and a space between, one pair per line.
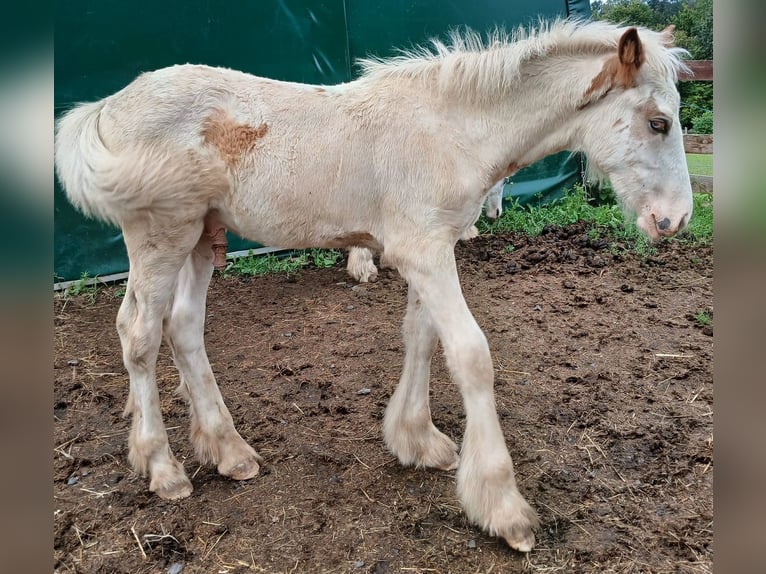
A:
111, 186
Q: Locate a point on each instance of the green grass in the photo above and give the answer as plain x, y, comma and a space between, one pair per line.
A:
86, 286
703, 318
573, 207
700, 229
699, 163
289, 264
604, 219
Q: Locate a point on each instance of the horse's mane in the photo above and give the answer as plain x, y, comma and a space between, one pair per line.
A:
468, 58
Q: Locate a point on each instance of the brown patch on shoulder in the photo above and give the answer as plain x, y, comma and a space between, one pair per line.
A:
232, 139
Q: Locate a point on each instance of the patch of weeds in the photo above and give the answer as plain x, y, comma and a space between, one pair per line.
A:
633, 240
510, 248
601, 194
289, 264
703, 318
573, 207
119, 293
86, 286
257, 265
323, 258
605, 220
700, 229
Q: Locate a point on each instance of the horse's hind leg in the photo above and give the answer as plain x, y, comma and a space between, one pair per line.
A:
407, 427
157, 250
361, 266
213, 434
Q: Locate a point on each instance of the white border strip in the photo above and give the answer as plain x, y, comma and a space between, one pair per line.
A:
61, 285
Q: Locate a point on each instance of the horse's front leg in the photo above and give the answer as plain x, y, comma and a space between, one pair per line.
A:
407, 427
485, 479
213, 435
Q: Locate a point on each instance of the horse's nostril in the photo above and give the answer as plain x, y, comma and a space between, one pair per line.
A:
663, 224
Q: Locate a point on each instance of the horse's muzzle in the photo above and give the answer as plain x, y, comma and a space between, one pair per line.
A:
667, 228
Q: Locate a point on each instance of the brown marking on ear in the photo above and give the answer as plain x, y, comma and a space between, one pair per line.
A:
668, 36
233, 140
630, 49
619, 71
602, 83
320, 90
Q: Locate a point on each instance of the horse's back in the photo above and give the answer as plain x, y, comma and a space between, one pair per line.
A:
139, 150
168, 106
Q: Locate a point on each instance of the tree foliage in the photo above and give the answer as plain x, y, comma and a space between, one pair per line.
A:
694, 31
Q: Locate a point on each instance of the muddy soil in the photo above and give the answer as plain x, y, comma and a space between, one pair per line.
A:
604, 389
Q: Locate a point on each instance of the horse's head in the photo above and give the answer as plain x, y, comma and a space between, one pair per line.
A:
632, 134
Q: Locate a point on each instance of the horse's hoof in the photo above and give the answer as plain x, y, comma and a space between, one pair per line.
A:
523, 543
373, 276
519, 534
449, 462
176, 489
246, 469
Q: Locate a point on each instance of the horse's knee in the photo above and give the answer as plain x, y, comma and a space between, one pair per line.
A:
140, 349
140, 334
471, 360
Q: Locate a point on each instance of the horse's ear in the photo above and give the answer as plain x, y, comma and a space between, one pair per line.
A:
630, 50
619, 71
668, 36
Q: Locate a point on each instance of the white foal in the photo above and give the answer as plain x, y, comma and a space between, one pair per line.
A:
409, 151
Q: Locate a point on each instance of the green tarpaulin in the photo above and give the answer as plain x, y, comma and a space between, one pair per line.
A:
102, 45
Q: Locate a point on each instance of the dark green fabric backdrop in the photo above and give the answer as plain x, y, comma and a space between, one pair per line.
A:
102, 45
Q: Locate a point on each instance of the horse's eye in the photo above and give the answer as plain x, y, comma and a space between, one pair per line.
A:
659, 125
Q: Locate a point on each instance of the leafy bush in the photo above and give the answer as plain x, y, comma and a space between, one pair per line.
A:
696, 99
703, 123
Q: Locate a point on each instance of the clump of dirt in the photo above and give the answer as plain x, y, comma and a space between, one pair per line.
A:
604, 389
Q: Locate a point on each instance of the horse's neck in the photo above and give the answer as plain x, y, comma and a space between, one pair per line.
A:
534, 116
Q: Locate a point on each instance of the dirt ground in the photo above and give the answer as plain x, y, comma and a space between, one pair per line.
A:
604, 388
